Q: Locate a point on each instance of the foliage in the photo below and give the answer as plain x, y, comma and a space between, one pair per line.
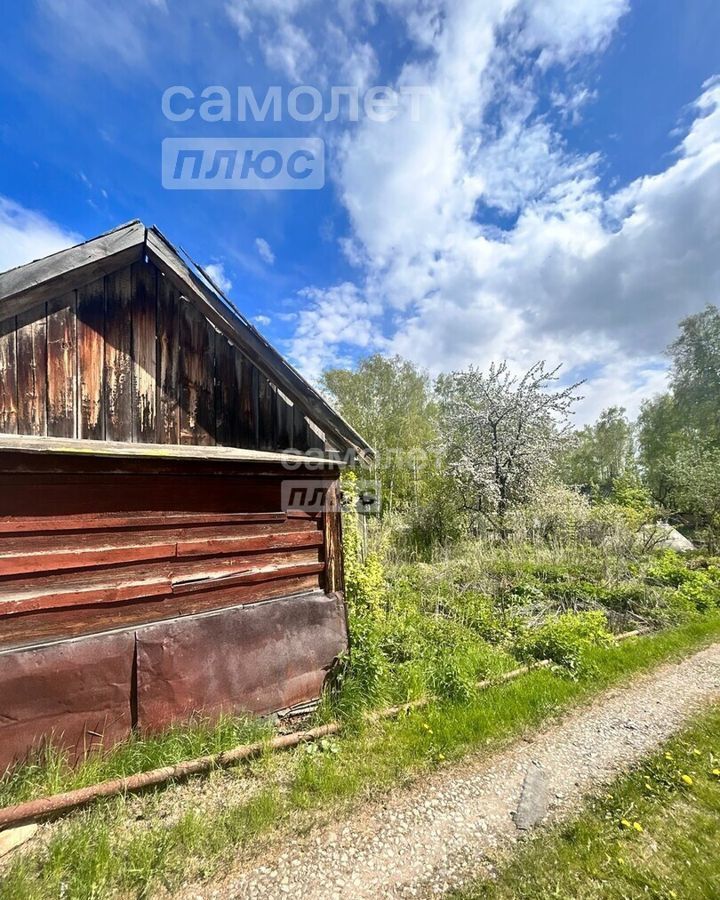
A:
389, 401
364, 576
697, 589
696, 371
602, 453
693, 478
503, 432
565, 639
660, 436
680, 431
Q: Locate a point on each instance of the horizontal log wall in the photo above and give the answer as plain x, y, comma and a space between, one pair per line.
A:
127, 358
84, 550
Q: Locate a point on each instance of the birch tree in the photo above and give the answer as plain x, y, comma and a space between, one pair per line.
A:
504, 432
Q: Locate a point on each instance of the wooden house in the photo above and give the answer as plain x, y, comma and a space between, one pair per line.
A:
169, 524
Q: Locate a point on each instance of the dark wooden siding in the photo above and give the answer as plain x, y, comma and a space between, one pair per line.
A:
84, 550
127, 358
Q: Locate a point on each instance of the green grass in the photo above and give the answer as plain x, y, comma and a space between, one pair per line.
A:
50, 773
95, 854
655, 834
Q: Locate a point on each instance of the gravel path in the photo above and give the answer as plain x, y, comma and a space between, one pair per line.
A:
424, 840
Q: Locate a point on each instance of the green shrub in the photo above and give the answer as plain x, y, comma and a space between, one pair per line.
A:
564, 639
696, 588
669, 569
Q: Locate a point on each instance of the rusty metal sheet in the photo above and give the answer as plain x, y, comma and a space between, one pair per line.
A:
76, 693
258, 658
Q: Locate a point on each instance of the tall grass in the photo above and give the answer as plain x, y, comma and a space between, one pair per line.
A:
49, 771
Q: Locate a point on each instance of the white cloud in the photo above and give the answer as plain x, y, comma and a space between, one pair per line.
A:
331, 53
480, 236
26, 235
263, 320
330, 326
216, 271
265, 250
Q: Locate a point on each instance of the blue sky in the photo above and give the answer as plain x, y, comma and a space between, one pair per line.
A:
557, 198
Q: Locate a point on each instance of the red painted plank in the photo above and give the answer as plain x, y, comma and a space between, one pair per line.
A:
17, 525
32, 601
210, 546
251, 576
82, 557
51, 624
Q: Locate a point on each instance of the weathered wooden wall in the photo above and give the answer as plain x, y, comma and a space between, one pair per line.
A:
135, 591
127, 358
85, 547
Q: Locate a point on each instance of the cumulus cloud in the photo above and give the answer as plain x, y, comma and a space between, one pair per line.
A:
479, 235
331, 325
216, 271
263, 320
264, 250
26, 235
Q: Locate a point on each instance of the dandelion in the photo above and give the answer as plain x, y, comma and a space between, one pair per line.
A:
668, 755
637, 826
687, 779
625, 823
716, 772
441, 757
696, 752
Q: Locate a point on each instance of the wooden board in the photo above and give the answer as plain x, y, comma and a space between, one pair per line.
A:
8, 377
61, 366
32, 372
118, 356
168, 404
332, 530
144, 316
127, 359
266, 413
50, 625
197, 402
91, 360
228, 379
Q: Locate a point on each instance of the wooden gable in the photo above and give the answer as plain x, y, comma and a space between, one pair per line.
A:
128, 358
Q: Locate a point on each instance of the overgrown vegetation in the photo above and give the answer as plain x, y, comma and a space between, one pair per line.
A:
502, 538
654, 833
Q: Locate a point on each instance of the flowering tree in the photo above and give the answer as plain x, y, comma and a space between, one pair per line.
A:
504, 432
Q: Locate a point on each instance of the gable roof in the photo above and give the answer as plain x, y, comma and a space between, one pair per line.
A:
23, 287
